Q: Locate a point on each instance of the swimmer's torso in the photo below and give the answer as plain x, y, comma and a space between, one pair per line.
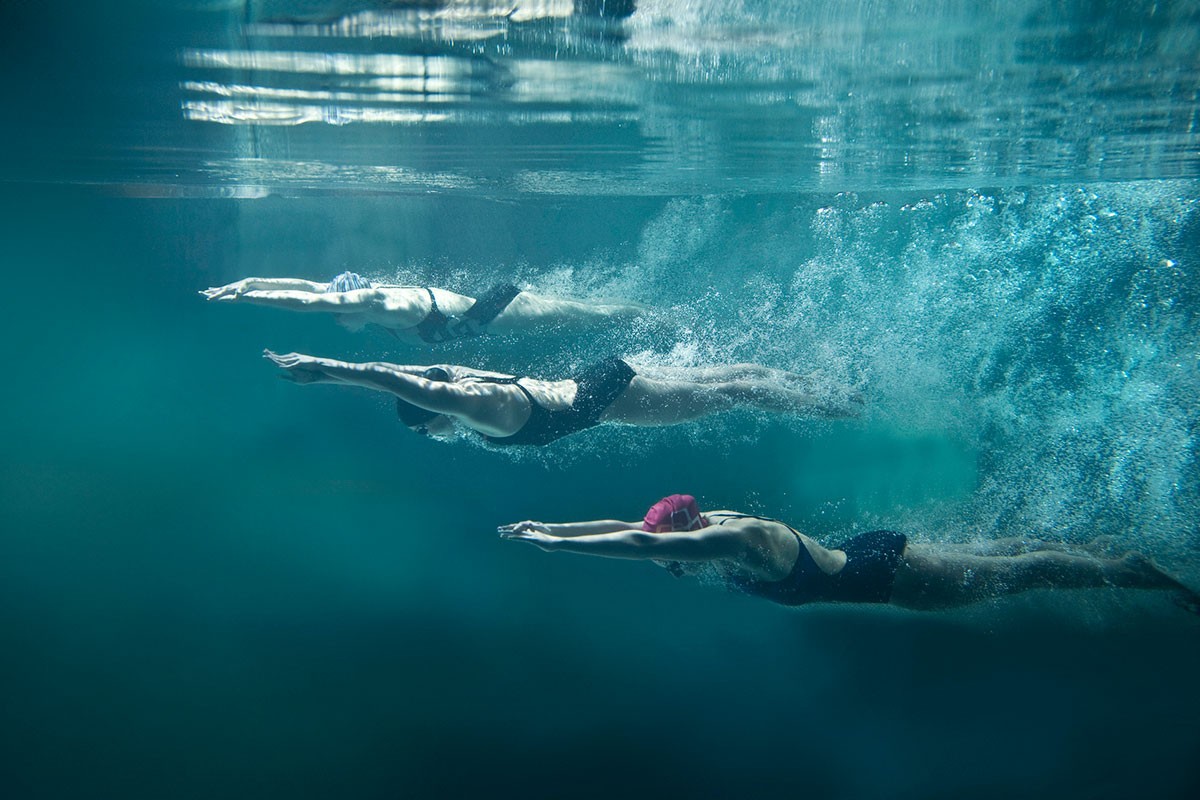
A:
504, 402
773, 548
401, 308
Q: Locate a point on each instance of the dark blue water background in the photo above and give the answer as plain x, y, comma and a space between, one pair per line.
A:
217, 584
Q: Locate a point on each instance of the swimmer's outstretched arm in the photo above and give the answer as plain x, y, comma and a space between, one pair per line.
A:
233, 291
298, 363
706, 544
470, 372
403, 381
528, 310
571, 529
356, 300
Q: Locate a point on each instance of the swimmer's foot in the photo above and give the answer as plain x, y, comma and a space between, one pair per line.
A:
830, 397
1148, 575
783, 400
623, 310
1187, 600
1017, 546
838, 404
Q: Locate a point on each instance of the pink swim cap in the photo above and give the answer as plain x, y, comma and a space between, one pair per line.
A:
675, 513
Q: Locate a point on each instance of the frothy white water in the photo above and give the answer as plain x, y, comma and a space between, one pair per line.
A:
1053, 332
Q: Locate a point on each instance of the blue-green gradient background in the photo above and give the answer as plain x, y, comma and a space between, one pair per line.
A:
217, 584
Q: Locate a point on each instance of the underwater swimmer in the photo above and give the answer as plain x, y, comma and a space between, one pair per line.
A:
425, 313
509, 410
769, 559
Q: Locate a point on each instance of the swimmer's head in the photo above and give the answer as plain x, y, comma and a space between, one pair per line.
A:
348, 282
678, 512
422, 421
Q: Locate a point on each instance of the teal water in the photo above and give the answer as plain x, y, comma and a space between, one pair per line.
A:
215, 583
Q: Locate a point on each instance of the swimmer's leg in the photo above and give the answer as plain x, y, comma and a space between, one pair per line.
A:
378, 375
930, 580
1013, 546
718, 373
528, 311
649, 401
1018, 545
814, 382
767, 388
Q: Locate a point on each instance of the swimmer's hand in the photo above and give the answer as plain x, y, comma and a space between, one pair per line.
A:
299, 368
523, 527
536, 533
231, 291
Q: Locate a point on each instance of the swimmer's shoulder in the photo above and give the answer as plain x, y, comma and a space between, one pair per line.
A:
733, 519
751, 524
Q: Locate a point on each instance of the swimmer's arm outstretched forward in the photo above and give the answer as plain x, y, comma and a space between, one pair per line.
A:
399, 307
232, 291
428, 313
713, 543
570, 530
473, 403
300, 368
402, 380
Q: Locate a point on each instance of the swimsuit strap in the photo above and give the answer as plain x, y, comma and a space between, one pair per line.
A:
439, 327
432, 329
596, 387
804, 582
510, 381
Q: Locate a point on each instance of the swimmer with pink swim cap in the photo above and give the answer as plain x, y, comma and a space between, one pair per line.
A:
676, 512
768, 558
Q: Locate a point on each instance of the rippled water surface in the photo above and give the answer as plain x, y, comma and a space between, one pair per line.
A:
658, 97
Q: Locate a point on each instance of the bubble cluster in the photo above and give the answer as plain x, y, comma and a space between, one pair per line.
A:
1053, 330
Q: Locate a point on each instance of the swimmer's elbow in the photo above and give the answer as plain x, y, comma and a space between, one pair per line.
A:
654, 545
642, 540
